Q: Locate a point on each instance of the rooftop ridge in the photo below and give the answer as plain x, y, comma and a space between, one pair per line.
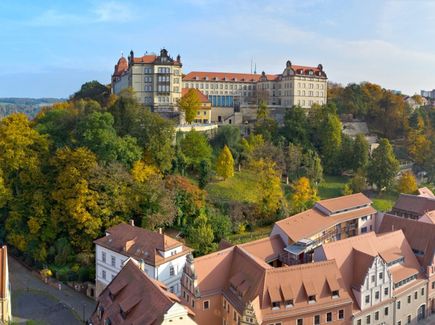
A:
263, 265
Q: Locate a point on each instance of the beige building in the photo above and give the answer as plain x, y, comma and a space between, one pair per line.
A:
228, 92
383, 276
155, 79
132, 297
5, 290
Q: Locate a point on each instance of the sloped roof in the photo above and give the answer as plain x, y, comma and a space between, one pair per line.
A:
121, 66
141, 299
242, 275
355, 255
420, 235
313, 221
345, 202
430, 215
140, 243
415, 204
424, 191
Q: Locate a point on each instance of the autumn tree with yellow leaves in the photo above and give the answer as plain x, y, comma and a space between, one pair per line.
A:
225, 163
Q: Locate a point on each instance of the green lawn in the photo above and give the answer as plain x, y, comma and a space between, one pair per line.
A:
241, 187
258, 233
332, 186
384, 202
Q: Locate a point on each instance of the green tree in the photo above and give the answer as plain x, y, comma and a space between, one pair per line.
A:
312, 167
201, 236
304, 196
153, 133
95, 91
407, 183
221, 225
195, 148
228, 135
296, 128
360, 152
294, 161
383, 166
358, 183
204, 174
225, 163
98, 134
190, 103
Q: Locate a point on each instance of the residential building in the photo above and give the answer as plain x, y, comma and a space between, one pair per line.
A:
421, 238
132, 297
329, 220
382, 275
203, 115
5, 290
155, 79
245, 284
163, 256
296, 85
413, 206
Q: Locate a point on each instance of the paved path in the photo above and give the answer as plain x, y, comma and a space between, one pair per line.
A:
29, 289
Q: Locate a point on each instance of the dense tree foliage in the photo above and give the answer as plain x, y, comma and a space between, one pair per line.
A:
189, 104
383, 166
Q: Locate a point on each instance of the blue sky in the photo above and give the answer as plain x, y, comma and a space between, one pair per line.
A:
49, 48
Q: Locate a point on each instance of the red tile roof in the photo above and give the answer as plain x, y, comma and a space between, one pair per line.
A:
414, 204
341, 203
120, 67
145, 59
140, 243
133, 298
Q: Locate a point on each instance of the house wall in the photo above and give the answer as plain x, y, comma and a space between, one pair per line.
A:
161, 272
411, 308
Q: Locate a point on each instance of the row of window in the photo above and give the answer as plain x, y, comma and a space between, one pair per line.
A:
219, 86
112, 260
368, 319
310, 93
317, 318
309, 102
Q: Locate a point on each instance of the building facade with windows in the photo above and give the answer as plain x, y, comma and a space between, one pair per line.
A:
382, 275
155, 79
421, 238
203, 115
296, 85
248, 284
163, 257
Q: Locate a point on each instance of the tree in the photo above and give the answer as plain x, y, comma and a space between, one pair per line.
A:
407, 183
225, 163
383, 166
270, 194
294, 161
98, 134
142, 171
295, 128
200, 235
95, 91
303, 196
190, 103
330, 141
358, 182
312, 167
228, 135
153, 133
360, 152
75, 210
195, 147
221, 225
204, 173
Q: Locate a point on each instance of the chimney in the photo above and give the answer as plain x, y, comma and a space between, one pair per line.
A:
160, 231
131, 222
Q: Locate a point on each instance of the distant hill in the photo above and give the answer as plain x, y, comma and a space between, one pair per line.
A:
28, 106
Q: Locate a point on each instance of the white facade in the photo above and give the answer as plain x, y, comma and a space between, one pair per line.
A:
177, 314
108, 263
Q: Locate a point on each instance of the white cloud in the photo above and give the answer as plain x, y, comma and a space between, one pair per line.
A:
113, 12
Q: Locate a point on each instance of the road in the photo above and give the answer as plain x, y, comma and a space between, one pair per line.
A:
35, 300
